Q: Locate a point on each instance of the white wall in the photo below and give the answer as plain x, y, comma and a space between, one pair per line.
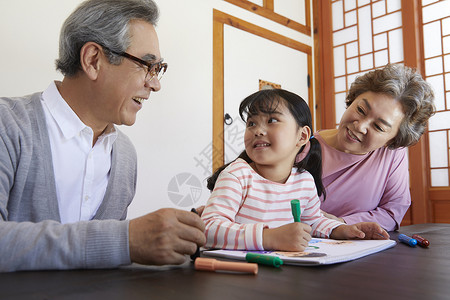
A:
174, 126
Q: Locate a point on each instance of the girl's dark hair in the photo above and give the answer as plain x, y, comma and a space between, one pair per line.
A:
267, 101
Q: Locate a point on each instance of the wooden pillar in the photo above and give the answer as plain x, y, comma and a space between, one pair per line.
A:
218, 149
323, 39
418, 160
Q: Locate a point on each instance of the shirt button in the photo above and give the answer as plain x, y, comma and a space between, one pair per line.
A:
86, 198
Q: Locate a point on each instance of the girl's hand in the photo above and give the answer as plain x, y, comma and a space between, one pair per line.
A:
362, 230
289, 237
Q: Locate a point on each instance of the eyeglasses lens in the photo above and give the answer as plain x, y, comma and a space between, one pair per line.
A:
157, 70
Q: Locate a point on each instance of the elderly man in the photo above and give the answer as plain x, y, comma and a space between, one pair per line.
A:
67, 174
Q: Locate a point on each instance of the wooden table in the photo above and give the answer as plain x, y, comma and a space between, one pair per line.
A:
401, 272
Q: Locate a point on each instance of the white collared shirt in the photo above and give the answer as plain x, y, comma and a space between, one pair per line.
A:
81, 171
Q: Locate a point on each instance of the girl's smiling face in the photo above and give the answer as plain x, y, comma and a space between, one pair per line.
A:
369, 123
274, 139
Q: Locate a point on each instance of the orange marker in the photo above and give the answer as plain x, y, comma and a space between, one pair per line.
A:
210, 264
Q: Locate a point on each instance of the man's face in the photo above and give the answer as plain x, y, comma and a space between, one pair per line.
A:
123, 88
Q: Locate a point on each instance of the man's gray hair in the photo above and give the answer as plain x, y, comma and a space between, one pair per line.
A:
105, 22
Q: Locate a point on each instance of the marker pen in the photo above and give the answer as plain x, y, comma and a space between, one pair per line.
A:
421, 241
197, 252
210, 264
269, 260
407, 240
296, 211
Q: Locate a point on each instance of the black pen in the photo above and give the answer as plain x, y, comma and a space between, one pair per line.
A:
197, 253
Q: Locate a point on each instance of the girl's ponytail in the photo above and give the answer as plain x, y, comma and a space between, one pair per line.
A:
313, 164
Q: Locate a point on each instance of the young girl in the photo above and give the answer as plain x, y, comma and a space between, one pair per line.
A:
249, 207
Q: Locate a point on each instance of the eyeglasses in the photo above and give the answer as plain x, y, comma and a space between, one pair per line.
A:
153, 69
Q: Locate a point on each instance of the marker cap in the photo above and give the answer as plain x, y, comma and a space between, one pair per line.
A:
407, 240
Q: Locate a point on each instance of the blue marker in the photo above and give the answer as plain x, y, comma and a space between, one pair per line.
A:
407, 240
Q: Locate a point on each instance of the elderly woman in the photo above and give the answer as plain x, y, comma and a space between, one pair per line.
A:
365, 163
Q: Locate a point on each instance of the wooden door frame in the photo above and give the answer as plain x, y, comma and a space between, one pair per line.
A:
267, 11
219, 20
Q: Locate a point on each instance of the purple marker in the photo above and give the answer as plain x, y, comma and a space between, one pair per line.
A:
407, 240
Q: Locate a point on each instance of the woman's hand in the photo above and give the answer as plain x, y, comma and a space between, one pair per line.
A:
290, 237
362, 230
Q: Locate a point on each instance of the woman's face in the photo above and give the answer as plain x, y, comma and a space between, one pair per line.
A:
369, 123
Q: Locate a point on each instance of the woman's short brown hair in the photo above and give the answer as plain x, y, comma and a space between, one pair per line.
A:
406, 86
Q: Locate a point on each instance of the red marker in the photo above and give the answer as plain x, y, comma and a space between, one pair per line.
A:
421, 241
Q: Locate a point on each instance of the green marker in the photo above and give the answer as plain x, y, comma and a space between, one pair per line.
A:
295, 207
269, 260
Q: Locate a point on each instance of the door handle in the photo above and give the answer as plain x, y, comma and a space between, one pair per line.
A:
228, 119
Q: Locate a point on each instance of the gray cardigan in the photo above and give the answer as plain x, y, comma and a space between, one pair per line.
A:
31, 235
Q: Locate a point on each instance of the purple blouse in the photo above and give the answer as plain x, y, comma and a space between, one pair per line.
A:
373, 187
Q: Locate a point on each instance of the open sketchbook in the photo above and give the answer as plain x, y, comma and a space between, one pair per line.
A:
318, 252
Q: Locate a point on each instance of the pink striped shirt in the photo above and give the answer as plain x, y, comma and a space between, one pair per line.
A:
243, 203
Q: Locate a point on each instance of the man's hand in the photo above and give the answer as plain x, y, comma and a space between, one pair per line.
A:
165, 236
